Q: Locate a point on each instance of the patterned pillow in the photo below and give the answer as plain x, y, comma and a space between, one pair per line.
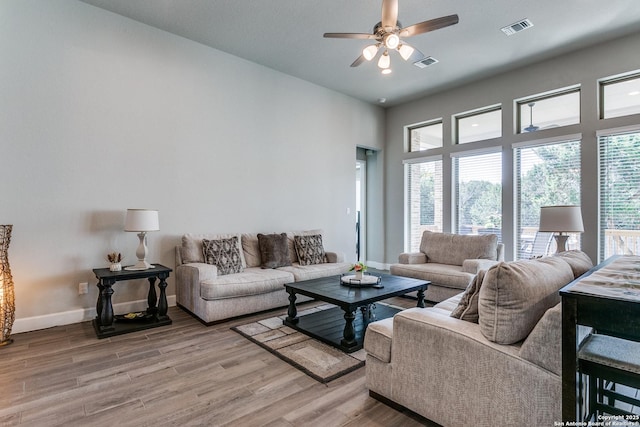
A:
224, 254
309, 249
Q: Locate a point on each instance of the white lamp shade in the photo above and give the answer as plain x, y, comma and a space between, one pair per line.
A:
561, 219
142, 220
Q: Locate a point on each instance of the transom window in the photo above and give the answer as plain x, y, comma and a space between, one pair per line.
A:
425, 137
620, 96
549, 111
478, 126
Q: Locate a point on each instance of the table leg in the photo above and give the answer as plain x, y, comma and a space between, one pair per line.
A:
99, 303
292, 312
420, 298
152, 299
349, 334
163, 306
106, 314
571, 409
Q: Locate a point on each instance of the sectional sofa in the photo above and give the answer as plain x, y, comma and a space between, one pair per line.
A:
239, 276
490, 356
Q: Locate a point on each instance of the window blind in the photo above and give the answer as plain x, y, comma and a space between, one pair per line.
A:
546, 174
619, 164
424, 200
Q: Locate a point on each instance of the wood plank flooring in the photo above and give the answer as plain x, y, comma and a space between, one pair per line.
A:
182, 374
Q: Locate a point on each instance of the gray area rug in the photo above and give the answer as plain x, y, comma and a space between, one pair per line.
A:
316, 359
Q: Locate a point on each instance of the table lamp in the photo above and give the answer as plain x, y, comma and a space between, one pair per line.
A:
141, 221
561, 220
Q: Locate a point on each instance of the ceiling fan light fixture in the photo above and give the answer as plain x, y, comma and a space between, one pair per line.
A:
391, 41
369, 52
386, 71
405, 51
385, 60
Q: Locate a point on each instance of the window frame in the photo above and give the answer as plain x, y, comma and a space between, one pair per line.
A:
477, 112
602, 83
410, 128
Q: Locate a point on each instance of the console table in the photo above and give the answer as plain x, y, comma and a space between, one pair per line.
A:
607, 299
106, 324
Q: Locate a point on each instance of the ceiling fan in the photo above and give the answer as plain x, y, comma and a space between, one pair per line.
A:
388, 35
531, 127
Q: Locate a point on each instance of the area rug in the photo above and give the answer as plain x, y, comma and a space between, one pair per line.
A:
316, 359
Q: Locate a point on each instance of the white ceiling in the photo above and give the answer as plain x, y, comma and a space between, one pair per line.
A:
286, 35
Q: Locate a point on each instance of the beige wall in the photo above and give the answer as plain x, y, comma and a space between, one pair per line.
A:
583, 67
99, 113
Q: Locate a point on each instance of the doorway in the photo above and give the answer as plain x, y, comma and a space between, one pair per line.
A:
361, 203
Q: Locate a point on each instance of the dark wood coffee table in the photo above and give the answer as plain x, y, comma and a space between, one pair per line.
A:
339, 326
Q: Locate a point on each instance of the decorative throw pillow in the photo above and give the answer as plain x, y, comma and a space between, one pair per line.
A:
467, 308
224, 254
274, 250
309, 249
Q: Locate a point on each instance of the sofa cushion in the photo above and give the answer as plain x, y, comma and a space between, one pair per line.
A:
309, 249
192, 251
274, 250
224, 254
515, 295
252, 281
453, 249
450, 276
315, 271
579, 262
467, 309
251, 250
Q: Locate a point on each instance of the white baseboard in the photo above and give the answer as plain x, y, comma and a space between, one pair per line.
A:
76, 316
378, 265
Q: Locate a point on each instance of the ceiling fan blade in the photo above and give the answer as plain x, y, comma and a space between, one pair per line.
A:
389, 14
350, 36
426, 26
359, 60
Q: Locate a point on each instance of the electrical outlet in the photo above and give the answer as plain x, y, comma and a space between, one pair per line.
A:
83, 288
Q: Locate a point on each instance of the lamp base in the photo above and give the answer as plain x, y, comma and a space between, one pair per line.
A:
140, 265
561, 242
6, 342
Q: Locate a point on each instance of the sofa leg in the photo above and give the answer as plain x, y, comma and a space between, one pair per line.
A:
404, 410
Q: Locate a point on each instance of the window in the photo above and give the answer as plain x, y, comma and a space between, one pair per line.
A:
478, 193
425, 137
620, 96
550, 111
546, 174
424, 199
479, 126
619, 166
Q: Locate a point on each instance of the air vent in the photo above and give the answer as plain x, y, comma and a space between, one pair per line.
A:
425, 62
517, 27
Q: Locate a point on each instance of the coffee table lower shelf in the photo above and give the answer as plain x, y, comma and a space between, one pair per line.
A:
328, 325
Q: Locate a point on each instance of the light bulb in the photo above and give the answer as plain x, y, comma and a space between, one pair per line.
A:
386, 71
369, 52
405, 51
384, 61
391, 41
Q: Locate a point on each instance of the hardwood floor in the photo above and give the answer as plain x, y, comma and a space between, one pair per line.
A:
182, 374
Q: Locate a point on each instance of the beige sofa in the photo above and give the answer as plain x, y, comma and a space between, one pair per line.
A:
213, 297
503, 369
449, 261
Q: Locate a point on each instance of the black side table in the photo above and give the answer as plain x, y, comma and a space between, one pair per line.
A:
108, 325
